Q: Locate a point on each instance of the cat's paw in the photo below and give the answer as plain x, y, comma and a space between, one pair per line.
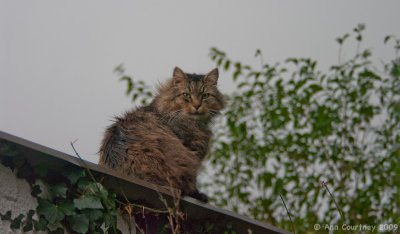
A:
199, 196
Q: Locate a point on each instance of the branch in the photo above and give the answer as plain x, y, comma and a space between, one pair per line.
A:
294, 230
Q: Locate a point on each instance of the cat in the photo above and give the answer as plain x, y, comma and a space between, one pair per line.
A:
164, 143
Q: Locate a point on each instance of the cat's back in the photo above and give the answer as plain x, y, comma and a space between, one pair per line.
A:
132, 128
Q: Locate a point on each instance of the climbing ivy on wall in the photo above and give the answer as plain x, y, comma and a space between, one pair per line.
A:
74, 200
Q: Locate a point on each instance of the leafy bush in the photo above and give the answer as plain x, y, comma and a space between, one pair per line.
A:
328, 143
293, 130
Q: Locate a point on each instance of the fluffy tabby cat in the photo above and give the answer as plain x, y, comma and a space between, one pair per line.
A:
165, 142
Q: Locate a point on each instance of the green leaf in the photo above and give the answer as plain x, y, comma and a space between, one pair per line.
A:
26, 171
236, 74
120, 68
97, 189
67, 207
6, 216
219, 62
73, 174
315, 88
93, 214
7, 150
340, 40
360, 28
31, 213
79, 223
8, 162
109, 219
36, 190
129, 83
41, 170
83, 183
16, 223
292, 60
28, 222
59, 190
41, 225
135, 96
242, 84
387, 38
88, 202
18, 160
28, 227
227, 64
51, 212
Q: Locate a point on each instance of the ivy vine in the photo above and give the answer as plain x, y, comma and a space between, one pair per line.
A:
74, 201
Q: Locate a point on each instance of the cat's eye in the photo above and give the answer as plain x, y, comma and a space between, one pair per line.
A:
206, 95
186, 95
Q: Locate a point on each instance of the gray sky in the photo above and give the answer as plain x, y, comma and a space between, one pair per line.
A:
57, 57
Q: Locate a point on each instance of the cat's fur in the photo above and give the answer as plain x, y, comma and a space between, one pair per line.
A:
165, 142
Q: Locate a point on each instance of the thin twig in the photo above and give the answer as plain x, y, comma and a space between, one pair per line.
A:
290, 218
175, 215
143, 207
83, 162
140, 206
334, 200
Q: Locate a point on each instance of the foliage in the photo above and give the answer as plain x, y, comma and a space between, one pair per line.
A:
74, 200
326, 142
139, 90
290, 129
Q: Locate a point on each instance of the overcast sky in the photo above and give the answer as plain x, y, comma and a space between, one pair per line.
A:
57, 57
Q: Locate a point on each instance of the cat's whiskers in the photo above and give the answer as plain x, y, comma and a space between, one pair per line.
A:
169, 115
174, 114
213, 112
178, 116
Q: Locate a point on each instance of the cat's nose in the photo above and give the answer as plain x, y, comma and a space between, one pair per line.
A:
196, 104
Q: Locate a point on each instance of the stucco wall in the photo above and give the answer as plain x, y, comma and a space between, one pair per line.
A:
15, 195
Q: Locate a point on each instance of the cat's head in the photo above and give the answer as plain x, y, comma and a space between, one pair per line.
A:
191, 96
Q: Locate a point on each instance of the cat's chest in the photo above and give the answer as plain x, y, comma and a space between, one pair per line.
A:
192, 136
191, 132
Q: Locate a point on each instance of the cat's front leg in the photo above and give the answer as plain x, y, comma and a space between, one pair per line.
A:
199, 196
200, 148
199, 144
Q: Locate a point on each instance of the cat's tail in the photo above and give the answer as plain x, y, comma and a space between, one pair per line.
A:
114, 147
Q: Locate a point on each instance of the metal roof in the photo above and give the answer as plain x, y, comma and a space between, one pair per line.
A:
134, 188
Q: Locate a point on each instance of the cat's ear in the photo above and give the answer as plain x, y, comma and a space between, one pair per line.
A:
212, 77
178, 76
